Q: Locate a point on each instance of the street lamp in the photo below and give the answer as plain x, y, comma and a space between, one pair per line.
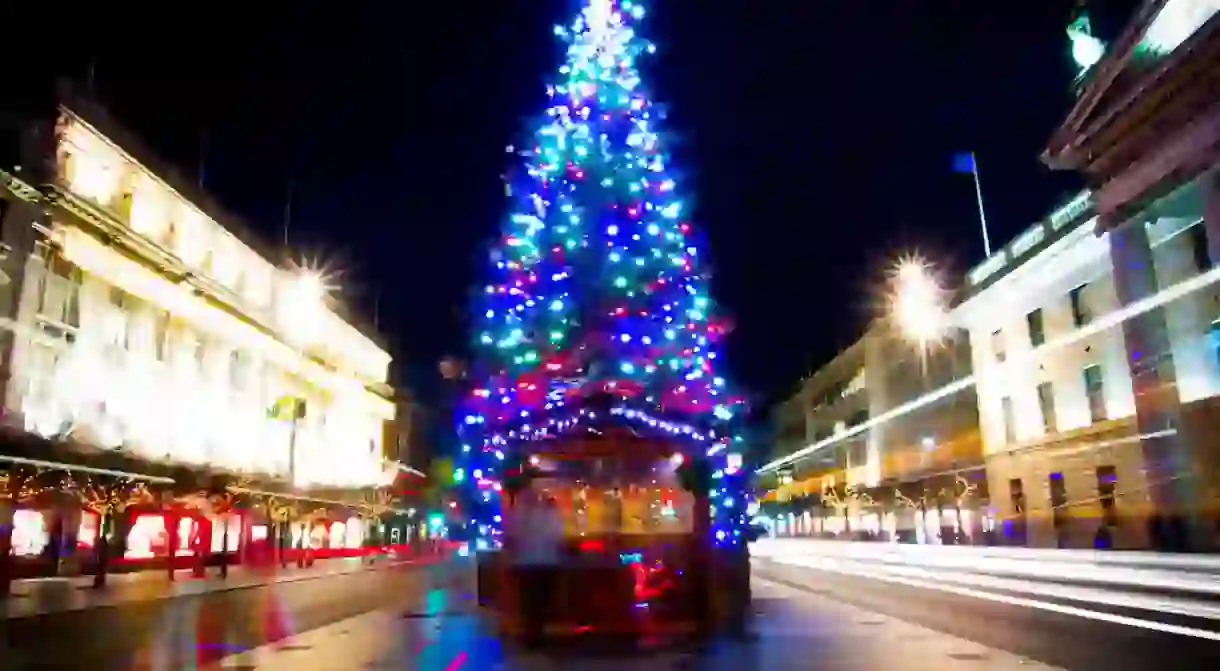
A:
918, 306
311, 286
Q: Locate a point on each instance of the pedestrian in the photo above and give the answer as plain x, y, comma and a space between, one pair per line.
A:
538, 535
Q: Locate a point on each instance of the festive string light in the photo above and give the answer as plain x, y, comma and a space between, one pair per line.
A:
597, 285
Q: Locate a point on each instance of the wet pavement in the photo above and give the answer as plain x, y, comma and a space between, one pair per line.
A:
425, 618
46, 596
793, 630
197, 630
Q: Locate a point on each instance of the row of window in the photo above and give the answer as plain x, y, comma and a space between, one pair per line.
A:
1037, 327
93, 169
1081, 316
127, 320
1107, 489
1094, 387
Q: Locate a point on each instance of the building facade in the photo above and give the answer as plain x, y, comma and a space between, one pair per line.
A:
1061, 385
142, 322
1095, 331
1145, 135
882, 443
139, 320
1089, 347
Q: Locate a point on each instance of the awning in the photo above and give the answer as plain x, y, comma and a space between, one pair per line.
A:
74, 468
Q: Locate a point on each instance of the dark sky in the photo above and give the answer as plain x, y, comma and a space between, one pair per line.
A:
814, 140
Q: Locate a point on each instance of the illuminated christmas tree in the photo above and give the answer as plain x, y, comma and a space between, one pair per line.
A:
598, 289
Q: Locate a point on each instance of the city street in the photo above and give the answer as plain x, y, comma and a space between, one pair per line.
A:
192, 630
423, 617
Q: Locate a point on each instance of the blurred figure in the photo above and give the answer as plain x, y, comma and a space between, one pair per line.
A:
539, 536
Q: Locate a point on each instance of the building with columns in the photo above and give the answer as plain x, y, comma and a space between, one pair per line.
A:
144, 321
1076, 400
140, 321
1095, 332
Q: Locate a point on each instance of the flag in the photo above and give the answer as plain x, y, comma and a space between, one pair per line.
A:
963, 162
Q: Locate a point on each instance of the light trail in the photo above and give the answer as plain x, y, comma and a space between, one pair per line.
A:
833, 566
1206, 584
1103, 323
1100, 596
972, 555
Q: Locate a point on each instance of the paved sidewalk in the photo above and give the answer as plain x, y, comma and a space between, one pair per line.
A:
795, 630
43, 596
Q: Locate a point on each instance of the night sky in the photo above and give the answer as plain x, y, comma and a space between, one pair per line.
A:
815, 141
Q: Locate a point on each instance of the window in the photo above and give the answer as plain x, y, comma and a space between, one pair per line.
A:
858, 417
1107, 484
1080, 314
161, 329
997, 345
1010, 420
119, 321
1059, 501
61, 293
1016, 493
828, 458
1197, 238
118, 298
858, 455
1046, 403
1094, 389
239, 370
838, 457
1037, 334
201, 352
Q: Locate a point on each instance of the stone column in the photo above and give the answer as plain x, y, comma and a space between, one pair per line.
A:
1168, 460
171, 518
877, 393
201, 543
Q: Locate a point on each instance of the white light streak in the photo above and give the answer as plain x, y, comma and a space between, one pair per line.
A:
1151, 625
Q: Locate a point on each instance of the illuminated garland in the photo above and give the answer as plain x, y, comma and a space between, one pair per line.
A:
597, 286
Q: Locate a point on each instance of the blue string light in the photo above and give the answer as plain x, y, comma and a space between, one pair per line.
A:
597, 286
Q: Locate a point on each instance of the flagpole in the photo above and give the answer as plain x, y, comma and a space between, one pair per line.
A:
978, 192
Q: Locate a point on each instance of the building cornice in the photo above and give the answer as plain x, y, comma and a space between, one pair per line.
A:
95, 117
104, 227
1090, 132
